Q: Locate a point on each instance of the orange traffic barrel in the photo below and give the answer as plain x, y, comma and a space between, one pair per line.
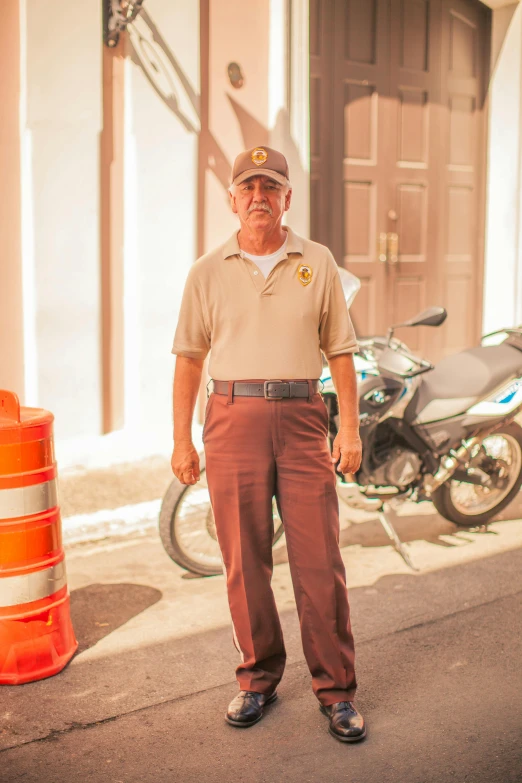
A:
36, 633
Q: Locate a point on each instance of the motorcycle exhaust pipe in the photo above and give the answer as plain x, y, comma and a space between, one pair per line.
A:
449, 464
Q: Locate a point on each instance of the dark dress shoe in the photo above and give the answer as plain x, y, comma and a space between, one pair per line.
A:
346, 724
247, 708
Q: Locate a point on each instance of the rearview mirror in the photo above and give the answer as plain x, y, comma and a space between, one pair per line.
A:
433, 316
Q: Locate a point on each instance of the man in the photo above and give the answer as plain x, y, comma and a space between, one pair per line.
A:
267, 302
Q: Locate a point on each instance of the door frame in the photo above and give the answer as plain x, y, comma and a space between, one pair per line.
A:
320, 225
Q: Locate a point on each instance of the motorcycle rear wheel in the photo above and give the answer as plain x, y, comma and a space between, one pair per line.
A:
469, 505
187, 529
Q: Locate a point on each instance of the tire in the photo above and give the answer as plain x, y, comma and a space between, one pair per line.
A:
444, 497
170, 534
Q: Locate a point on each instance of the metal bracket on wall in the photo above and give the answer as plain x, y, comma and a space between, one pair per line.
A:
117, 15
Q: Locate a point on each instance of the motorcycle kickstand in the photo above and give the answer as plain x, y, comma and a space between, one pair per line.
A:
394, 538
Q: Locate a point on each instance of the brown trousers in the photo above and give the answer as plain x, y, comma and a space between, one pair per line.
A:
255, 449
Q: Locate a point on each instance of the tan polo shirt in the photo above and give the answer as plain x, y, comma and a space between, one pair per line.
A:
260, 329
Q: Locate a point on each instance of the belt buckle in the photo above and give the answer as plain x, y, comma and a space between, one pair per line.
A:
265, 389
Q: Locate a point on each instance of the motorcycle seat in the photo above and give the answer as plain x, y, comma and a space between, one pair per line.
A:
461, 380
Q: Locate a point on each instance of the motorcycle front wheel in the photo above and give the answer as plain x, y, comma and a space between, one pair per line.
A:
187, 528
500, 457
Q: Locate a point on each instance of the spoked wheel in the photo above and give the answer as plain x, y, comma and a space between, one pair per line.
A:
187, 528
499, 457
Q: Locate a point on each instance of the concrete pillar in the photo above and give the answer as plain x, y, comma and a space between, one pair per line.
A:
503, 254
112, 204
11, 292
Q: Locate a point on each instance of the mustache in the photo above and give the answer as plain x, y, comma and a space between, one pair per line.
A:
262, 205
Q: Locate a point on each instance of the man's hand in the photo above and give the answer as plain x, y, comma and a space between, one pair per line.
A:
187, 380
185, 462
347, 445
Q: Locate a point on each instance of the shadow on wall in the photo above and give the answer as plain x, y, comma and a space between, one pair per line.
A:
151, 53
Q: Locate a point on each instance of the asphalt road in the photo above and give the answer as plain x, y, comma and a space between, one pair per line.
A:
439, 659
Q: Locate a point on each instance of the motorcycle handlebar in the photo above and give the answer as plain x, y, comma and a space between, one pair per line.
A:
402, 349
417, 360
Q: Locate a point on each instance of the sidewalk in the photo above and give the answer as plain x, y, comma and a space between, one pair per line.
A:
124, 500
106, 495
123, 497
144, 697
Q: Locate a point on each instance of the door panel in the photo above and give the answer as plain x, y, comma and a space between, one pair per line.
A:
359, 29
412, 220
414, 34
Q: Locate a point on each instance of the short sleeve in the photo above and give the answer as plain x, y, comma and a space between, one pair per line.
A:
192, 337
336, 332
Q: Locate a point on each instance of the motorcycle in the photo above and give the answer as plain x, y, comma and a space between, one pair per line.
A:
444, 433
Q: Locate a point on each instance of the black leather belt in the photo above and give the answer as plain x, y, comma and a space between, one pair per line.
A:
271, 390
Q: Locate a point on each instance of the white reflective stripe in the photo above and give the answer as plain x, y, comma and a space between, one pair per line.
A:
22, 501
15, 590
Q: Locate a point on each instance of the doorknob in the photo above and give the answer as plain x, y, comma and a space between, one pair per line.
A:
382, 250
393, 248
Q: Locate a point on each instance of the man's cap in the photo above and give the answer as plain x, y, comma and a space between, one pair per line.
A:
260, 160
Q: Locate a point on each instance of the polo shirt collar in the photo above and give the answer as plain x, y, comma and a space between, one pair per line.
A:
294, 244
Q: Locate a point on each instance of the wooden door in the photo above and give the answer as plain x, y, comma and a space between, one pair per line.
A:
360, 150
396, 92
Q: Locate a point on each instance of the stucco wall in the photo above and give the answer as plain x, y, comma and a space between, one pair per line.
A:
260, 111
160, 202
61, 125
61, 227
238, 118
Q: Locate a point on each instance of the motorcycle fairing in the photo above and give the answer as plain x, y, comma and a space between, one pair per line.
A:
447, 434
377, 395
500, 404
460, 381
363, 368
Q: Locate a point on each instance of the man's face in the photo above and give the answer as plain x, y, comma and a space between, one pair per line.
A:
260, 202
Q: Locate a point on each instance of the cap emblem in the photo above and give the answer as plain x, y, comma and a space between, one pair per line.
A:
304, 274
259, 156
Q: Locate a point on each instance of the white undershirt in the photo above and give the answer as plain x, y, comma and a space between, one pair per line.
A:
266, 263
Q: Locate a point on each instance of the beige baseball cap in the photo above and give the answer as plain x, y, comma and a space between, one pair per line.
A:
260, 160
